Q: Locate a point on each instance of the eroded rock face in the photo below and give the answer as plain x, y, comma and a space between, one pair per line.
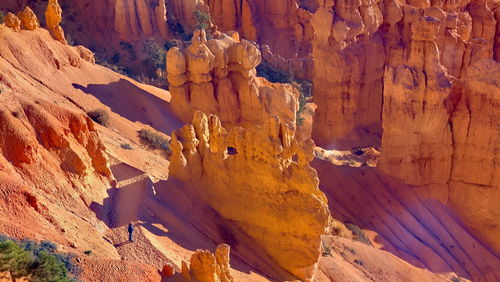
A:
349, 62
53, 17
28, 19
209, 267
410, 68
218, 77
277, 202
69, 136
134, 19
351, 51
474, 181
416, 101
13, 22
283, 25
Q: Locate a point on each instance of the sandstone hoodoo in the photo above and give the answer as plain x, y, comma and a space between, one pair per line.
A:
53, 18
252, 140
277, 202
218, 76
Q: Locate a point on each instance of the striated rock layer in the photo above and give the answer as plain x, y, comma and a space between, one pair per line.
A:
258, 178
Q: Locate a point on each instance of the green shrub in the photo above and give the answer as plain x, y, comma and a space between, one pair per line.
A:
156, 55
175, 26
38, 261
359, 234
2, 16
48, 268
154, 140
121, 70
273, 74
14, 259
305, 89
100, 116
202, 19
125, 46
126, 146
171, 44
116, 58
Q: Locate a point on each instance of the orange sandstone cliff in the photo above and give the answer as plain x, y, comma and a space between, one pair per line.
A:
407, 119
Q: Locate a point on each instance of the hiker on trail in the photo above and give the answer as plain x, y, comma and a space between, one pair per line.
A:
130, 232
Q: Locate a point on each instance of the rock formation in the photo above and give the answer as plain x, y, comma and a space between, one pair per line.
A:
284, 26
218, 77
277, 202
133, 19
28, 19
408, 68
53, 17
13, 22
474, 184
348, 68
19, 145
415, 88
209, 267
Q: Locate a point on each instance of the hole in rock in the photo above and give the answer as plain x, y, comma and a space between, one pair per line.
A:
231, 151
357, 151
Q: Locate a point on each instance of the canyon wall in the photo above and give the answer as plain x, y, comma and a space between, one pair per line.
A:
420, 80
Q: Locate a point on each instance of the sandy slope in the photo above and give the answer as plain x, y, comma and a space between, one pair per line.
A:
404, 222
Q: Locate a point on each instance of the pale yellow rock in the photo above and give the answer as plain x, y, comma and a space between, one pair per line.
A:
208, 267
277, 203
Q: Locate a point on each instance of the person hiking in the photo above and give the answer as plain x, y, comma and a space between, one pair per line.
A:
130, 232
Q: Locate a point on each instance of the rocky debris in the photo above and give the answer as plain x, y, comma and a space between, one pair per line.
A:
356, 157
209, 267
28, 19
13, 22
53, 17
218, 77
277, 203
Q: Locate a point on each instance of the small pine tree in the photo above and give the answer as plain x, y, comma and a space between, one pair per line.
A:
14, 259
156, 54
48, 268
203, 19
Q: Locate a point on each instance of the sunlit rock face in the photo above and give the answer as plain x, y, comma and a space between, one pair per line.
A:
218, 77
258, 178
405, 77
